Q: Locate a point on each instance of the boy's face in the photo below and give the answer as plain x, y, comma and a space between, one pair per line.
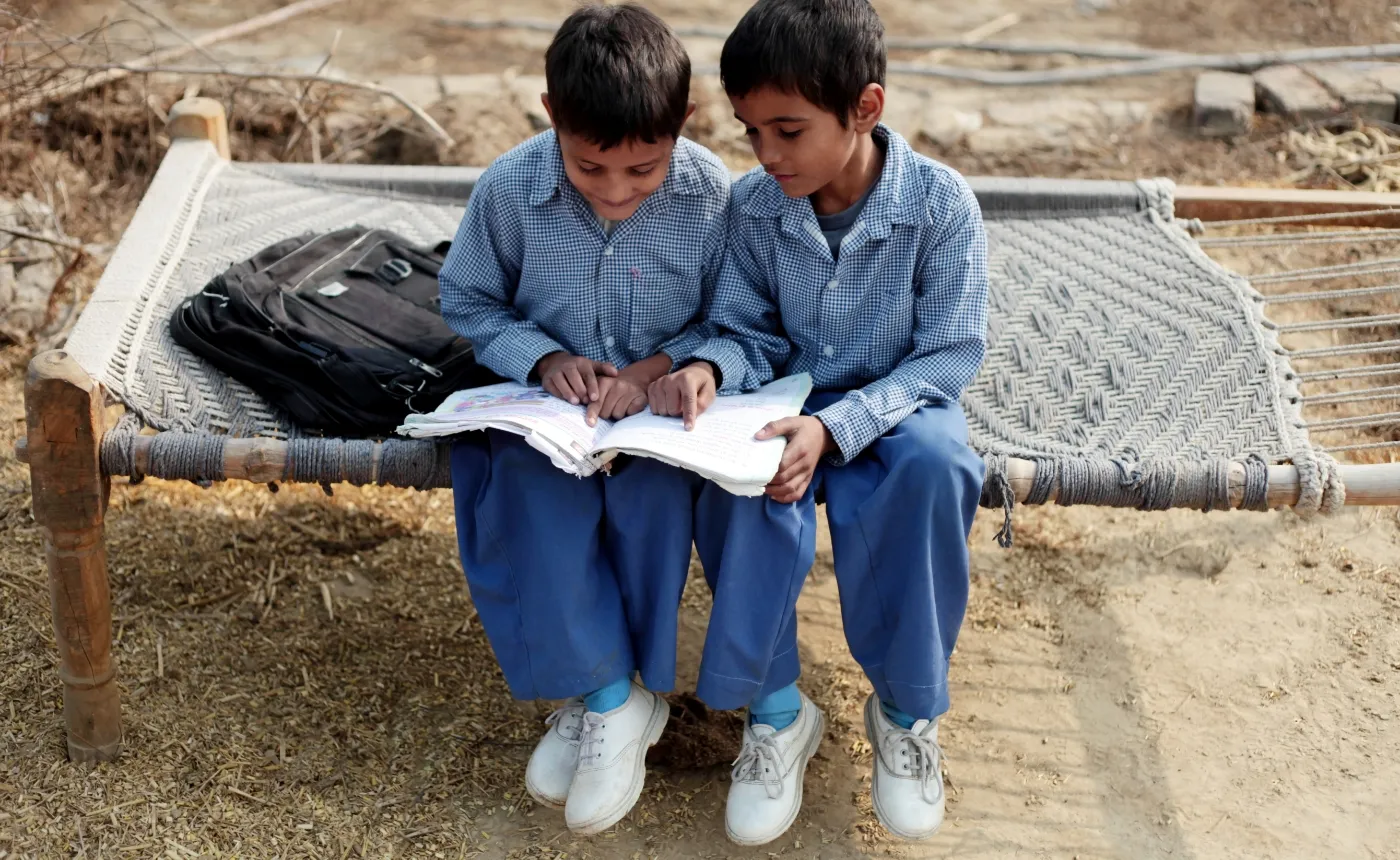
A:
615, 181
803, 146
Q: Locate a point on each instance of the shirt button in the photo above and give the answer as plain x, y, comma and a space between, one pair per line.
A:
607, 252
831, 284
828, 351
609, 341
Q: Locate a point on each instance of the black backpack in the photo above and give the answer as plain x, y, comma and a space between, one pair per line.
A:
342, 330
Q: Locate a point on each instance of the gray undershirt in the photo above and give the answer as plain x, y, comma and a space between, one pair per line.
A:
835, 227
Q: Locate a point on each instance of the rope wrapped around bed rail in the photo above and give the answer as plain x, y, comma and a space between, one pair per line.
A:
201, 458
1155, 485
1150, 485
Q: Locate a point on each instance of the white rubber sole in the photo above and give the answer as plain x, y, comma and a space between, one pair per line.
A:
807, 754
875, 797
541, 799
660, 715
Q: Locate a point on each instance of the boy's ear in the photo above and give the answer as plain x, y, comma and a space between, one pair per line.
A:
544, 100
869, 108
689, 112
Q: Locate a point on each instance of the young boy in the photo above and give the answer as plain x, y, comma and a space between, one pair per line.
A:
581, 265
856, 260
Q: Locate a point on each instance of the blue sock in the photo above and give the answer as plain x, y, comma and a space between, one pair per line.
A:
608, 698
777, 709
898, 717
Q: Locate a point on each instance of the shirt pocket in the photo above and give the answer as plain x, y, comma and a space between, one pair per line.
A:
891, 326
665, 295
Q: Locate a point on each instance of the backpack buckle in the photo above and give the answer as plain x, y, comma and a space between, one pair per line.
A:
394, 270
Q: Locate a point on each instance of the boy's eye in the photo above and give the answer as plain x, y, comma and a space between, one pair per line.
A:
643, 171
789, 135
589, 171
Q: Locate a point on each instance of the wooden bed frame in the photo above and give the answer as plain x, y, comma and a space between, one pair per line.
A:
67, 414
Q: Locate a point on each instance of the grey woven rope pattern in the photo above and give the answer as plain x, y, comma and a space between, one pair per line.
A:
1131, 368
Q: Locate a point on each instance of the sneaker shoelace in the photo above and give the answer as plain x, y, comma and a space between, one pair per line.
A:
922, 754
760, 760
590, 739
569, 718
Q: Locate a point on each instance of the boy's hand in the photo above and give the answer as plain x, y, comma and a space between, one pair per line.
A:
687, 392
618, 398
572, 377
627, 394
807, 440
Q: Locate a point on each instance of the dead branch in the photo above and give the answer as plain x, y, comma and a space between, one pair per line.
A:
270, 75
178, 33
47, 240
116, 71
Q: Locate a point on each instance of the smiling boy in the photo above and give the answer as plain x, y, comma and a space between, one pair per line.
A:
582, 264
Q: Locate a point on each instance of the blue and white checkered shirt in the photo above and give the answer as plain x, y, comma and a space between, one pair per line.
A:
532, 272
900, 321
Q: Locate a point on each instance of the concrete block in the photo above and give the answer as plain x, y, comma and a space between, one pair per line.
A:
1224, 104
1386, 76
1361, 95
1290, 91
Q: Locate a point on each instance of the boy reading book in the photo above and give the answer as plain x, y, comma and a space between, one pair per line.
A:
856, 260
582, 264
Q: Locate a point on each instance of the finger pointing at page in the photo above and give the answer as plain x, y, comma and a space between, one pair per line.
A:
688, 404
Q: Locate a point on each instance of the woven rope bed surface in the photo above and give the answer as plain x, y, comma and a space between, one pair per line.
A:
1121, 359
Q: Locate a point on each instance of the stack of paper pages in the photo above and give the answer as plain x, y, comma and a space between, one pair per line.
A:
721, 447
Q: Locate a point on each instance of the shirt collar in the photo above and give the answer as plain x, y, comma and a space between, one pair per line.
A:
684, 176
895, 199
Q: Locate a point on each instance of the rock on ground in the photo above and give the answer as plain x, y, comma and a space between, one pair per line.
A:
28, 269
1293, 92
1224, 104
1360, 94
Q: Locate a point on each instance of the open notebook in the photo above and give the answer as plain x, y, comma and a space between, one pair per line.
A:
721, 447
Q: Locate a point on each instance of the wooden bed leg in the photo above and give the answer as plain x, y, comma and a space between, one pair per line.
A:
200, 119
63, 409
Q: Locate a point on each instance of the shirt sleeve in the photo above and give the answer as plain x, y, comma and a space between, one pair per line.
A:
478, 283
950, 325
750, 344
683, 347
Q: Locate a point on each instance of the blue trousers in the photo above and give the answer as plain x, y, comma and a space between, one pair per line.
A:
577, 582
900, 513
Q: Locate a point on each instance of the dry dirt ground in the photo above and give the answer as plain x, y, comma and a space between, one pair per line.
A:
1127, 685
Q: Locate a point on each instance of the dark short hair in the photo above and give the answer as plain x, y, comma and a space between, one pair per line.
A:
827, 51
617, 73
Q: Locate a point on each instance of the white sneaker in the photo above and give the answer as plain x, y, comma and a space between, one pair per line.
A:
766, 793
552, 764
906, 788
612, 761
